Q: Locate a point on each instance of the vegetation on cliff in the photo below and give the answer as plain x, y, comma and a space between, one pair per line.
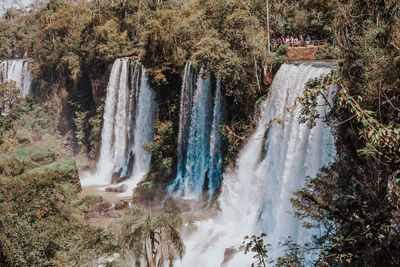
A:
73, 44
357, 200
40, 223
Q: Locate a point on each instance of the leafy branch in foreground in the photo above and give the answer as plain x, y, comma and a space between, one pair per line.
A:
294, 254
380, 138
256, 244
357, 200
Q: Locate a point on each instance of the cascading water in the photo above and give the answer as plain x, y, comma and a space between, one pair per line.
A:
199, 141
145, 113
17, 70
215, 163
129, 111
274, 162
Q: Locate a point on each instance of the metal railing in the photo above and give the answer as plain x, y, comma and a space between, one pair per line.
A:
275, 43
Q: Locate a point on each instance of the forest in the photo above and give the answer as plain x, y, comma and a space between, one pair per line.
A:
52, 135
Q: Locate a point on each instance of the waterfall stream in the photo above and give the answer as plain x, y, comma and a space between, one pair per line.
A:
199, 141
273, 163
17, 70
215, 162
129, 112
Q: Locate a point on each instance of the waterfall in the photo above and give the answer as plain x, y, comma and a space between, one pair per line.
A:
184, 120
129, 112
145, 111
273, 163
199, 141
17, 70
215, 163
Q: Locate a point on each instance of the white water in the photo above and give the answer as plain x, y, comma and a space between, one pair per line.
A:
215, 163
256, 194
186, 102
127, 124
199, 141
145, 112
16, 70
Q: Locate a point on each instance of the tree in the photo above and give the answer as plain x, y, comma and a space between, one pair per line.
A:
152, 238
357, 200
293, 255
40, 222
256, 244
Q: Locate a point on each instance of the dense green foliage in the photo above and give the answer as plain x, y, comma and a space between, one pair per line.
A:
294, 254
256, 245
73, 44
357, 200
303, 17
40, 224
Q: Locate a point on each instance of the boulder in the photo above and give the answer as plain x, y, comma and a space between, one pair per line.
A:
102, 206
121, 179
122, 204
117, 189
111, 214
92, 214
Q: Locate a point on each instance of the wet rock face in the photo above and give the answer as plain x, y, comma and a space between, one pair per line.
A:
228, 255
184, 205
116, 176
121, 179
117, 189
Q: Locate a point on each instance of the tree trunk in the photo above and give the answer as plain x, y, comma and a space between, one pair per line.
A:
145, 254
269, 43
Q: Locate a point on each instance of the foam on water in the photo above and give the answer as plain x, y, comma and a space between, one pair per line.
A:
273, 164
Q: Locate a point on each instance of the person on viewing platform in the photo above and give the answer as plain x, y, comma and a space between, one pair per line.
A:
308, 39
287, 40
